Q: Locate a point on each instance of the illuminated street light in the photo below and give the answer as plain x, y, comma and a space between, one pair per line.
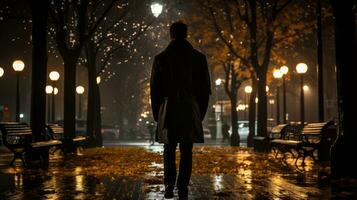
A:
49, 91
80, 91
284, 69
248, 89
156, 9
277, 74
54, 76
18, 66
267, 88
301, 69
1, 72
306, 88
98, 79
218, 82
55, 91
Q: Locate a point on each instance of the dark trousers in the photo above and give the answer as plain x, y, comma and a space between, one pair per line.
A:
185, 168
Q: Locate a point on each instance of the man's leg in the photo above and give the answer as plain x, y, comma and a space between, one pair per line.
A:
169, 169
185, 168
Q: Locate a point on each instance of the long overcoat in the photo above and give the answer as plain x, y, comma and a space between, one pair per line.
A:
180, 89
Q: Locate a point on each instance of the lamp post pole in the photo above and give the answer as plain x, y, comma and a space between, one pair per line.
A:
301, 68
80, 91
54, 76
49, 90
17, 118
284, 70
277, 105
18, 66
302, 100
278, 74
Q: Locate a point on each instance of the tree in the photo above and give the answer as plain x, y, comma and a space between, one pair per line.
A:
73, 29
262, 29
39, 66
99, 51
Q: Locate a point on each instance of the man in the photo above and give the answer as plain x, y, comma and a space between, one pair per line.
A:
180, 89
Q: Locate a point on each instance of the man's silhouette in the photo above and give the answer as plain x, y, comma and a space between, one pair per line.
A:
180, 87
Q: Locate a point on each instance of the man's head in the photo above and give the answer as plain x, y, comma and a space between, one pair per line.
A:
178, 30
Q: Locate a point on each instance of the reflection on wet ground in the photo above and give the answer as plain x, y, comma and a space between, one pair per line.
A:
246, 180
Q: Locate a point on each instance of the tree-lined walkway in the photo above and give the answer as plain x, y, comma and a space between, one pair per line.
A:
137, 172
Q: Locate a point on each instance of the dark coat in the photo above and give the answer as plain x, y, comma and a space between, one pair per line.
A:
180, 75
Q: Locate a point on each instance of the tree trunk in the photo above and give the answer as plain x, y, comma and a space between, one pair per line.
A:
235, 139
344, 148
91, 67
39, 66
252, 112
93, 107
70, 62
262, 105
98, 118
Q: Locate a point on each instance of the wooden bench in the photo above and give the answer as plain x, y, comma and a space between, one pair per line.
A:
304, 143
18, 138
263, 143
56, 133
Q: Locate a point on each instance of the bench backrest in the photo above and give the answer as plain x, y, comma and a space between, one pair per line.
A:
293, 131
278, 131
316, 128
14, 133
55, 131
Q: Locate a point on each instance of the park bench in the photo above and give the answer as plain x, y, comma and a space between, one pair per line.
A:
18, 138
263, 143
313, 137
56, 133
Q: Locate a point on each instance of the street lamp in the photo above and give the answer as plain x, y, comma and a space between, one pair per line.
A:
247, 89
301, 69
18, 66
1, 72
156, 9
54, 76
219, 82
80, 91
277, 74
49, 90
284, 70
98, 79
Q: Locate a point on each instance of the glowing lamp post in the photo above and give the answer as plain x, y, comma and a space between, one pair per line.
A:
49, 91
156, 9
284, 70
1, 72
247, 89
277, 74
54, 76
18, 66
98, 80
80, 91
301, 69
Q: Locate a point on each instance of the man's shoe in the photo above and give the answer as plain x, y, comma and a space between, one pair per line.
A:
169, 192
183, 193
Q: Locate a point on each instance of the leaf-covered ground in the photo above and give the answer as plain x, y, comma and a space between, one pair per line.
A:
137, 173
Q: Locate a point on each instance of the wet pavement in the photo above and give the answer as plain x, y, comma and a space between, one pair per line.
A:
219, 173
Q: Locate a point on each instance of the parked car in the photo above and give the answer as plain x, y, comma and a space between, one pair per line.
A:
207, 133
243, 130
110, 132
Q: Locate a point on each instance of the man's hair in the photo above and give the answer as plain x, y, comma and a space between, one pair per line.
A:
178, 30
